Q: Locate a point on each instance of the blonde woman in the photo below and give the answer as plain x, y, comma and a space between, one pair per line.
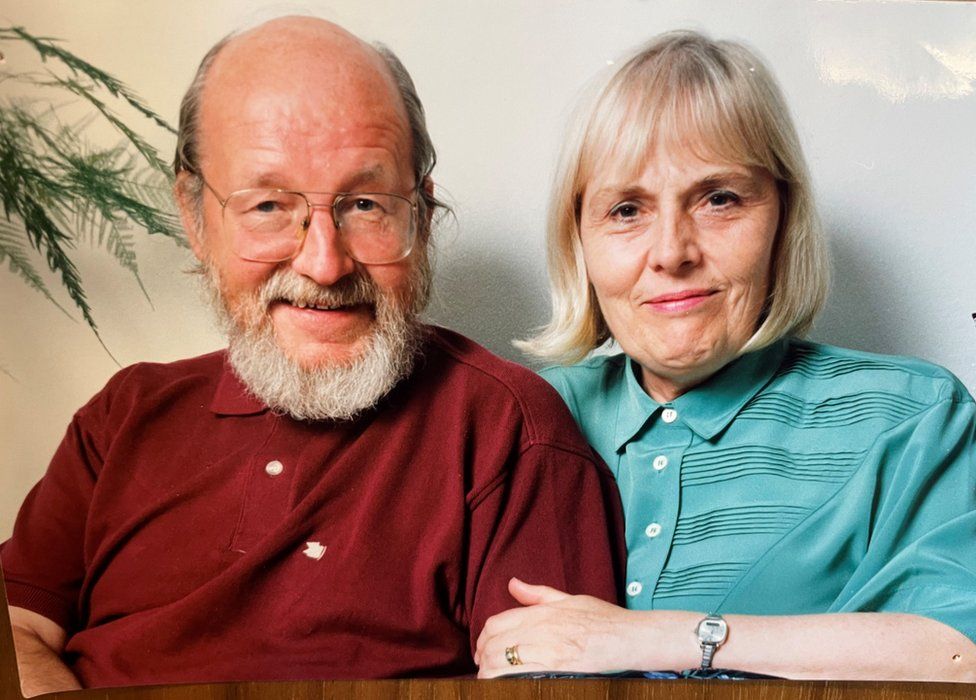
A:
793, 509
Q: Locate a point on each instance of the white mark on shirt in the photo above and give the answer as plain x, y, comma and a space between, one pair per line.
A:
314, 550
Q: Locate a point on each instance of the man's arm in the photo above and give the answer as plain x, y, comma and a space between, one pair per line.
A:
39, 643
556, 517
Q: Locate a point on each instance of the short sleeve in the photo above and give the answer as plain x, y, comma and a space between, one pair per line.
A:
43, 561
921, 556
554, 518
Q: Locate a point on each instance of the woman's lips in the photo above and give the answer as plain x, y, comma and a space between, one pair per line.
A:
685, 300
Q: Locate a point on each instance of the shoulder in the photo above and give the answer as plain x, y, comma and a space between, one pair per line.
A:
488, 383
151, 383
591, 386
827, 369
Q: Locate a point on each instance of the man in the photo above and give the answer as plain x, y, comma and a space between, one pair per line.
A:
345, 492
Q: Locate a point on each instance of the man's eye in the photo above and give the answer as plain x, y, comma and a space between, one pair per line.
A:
365, 207
267, 207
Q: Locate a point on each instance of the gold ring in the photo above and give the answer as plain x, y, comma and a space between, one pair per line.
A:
512, 655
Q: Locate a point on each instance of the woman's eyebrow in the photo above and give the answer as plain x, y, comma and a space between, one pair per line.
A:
728, 177
617, 191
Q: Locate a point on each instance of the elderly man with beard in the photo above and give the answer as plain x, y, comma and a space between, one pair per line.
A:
344, 493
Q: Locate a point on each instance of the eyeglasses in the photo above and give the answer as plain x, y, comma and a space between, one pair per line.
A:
270, 225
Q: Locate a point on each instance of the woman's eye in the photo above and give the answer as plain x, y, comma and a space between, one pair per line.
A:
627, 210
722, 199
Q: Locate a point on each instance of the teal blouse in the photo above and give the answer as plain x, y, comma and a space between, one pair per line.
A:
802, 478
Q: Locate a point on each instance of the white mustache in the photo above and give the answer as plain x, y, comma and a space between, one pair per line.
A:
287, 285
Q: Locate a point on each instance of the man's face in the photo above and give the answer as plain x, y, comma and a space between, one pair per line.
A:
302, 112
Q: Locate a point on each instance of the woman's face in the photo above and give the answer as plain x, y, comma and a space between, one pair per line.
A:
679, 256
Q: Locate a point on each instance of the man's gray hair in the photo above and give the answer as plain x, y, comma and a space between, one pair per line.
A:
424, 156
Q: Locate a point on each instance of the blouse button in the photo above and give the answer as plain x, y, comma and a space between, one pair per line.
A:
660, 462
653, 530
669, 415
634, 588
274, 468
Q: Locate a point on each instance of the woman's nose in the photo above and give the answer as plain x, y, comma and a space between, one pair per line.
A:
673, 245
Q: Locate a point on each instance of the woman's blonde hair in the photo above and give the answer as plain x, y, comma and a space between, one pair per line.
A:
719, 99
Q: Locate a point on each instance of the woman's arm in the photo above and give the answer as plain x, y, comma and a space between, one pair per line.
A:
559, 632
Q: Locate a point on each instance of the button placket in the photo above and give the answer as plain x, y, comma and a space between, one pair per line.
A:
266, 495
652, 490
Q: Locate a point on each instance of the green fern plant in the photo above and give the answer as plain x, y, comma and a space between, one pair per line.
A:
58, 190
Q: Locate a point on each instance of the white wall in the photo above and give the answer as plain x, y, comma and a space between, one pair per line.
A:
883, 94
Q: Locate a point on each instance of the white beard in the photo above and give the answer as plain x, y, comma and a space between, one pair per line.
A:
336, 391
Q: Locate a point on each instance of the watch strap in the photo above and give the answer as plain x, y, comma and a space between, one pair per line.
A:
708, 651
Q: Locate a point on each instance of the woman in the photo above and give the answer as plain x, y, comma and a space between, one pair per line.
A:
793, 509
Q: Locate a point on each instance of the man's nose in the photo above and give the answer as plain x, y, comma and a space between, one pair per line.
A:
673, 246
323, 257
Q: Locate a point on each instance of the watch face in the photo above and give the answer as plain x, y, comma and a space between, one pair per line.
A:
712, 631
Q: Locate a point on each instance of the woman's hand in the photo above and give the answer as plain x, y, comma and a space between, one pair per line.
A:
556, 631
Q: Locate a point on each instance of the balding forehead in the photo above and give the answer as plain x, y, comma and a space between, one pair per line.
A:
308, 54
302, 41
311, 32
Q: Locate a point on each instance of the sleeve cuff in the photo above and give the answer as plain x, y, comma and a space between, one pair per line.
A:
41, 602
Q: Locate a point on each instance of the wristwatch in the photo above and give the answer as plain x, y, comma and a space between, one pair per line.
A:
712, 632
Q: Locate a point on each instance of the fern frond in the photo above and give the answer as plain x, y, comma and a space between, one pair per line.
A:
14, 252
27, 189
47, 48
148, 152
56, 189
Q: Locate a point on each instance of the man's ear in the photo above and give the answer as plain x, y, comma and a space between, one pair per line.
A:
429, 191
191, 213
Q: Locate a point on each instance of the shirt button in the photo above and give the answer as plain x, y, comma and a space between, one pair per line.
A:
660, 462
653, 530
634, 588
669, 415
274, 468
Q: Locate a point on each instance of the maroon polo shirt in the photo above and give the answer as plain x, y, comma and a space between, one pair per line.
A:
183, 532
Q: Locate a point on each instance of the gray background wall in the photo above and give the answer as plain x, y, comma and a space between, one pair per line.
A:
883, 93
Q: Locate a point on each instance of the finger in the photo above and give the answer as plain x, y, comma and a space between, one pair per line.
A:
494, 660
529, 594
504, 622
479, 647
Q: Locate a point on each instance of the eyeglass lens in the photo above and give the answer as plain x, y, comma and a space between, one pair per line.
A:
269, 225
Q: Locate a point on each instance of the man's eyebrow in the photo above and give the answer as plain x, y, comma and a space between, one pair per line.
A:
369, 176
272, 180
